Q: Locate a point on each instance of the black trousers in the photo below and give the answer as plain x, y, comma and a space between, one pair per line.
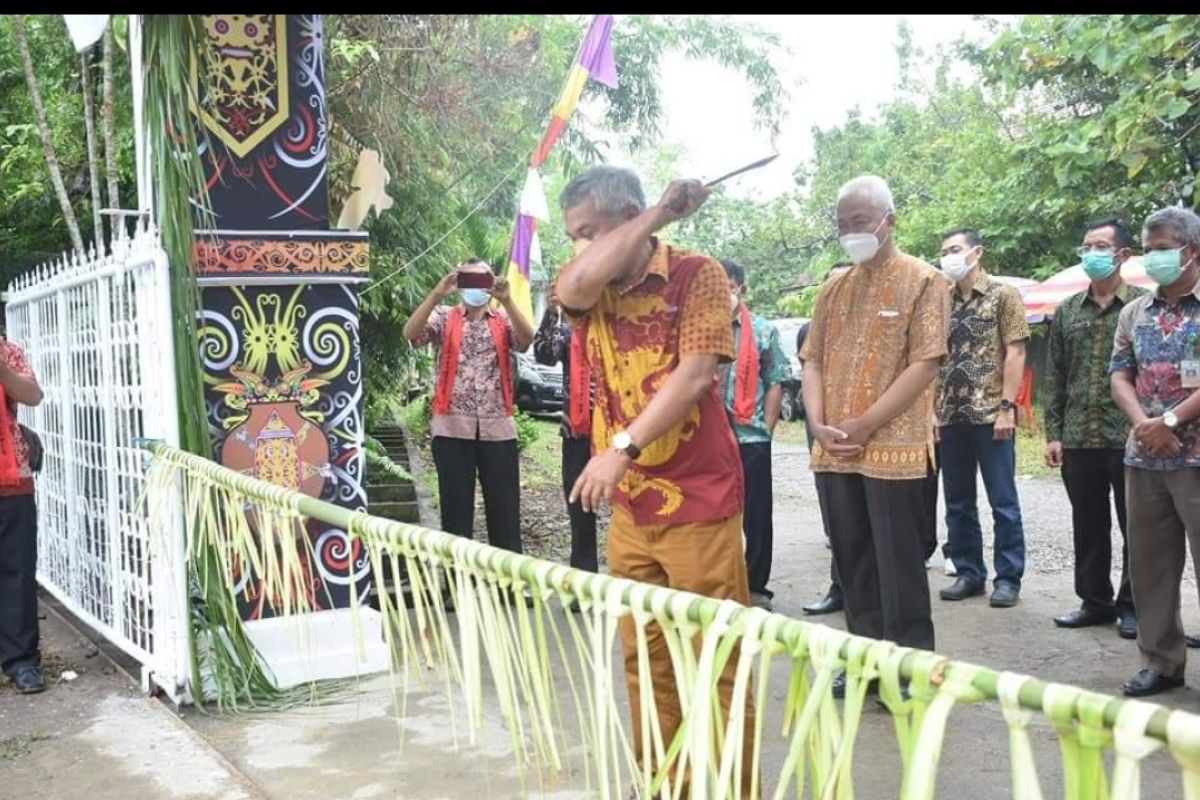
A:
878, 530
930, 494
18, 583
1090, 476
757, 517
458, 461
575, 455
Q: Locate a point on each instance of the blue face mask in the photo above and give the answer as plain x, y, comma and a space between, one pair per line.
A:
1099, 266
475, 297
1163, 266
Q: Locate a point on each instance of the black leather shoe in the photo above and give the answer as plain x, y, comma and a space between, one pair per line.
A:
28, 680
1085, 617
1148, 682
1005, 595
1127, 626
839, 686
829, 604
961, 589
1192, 641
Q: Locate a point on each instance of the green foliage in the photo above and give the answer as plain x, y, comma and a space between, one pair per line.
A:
528, 430
456, 104
378, 460
1058, 121
417, 417
32, 230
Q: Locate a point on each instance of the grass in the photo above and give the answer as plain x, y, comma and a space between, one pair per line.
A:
1031, 449
13, 748
541, 460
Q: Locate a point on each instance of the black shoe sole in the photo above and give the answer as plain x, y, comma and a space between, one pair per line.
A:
817, 612
954, 598
1003, 603
1076, 626
37, 690
1124, 634
1165, 687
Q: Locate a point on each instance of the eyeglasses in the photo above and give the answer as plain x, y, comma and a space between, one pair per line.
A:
1099, 248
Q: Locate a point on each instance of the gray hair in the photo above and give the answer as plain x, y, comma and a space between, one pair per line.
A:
1180, 221
612, 189
873, 187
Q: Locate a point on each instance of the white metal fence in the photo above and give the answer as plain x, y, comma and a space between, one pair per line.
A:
97, 331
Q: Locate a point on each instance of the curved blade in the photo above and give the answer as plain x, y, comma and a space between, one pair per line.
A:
760, 163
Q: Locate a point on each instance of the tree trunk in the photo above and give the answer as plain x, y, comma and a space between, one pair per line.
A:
89, 123
39, 111
110, 126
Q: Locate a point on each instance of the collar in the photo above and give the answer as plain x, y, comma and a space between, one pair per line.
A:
488, 311
981, 284
659, 264
1122, 296
1159, 297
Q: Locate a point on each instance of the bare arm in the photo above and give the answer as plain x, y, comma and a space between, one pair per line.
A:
774, 405
1014, 369
1125, 395
690, 379
684, 386
420, 318
1005, 426
24, 390
607, 260
1189, 409
522, 329
812, 387
903, 392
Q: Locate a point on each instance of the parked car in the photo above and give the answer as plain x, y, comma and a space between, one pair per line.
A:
539, 388
793, 396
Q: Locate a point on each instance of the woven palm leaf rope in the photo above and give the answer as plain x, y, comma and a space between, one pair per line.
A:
509, 639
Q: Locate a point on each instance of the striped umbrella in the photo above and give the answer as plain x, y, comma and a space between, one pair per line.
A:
1041, 300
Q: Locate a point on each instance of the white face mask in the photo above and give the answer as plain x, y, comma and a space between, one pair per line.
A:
862, 247
955, 266
735, 300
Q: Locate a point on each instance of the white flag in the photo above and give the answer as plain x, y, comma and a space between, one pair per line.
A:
85, 29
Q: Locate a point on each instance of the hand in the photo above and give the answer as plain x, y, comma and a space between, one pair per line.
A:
1006, 425
501, 290
856, 431
937, 429
599, 479
832, 442
1153, 436
681, 199
1054, 454
447, 285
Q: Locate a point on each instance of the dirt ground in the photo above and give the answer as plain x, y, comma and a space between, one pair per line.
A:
352, 748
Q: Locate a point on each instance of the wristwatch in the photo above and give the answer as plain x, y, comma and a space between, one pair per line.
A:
1007, 405
623, 443
1170, 420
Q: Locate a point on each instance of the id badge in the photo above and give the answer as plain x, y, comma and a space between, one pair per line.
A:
1189, 373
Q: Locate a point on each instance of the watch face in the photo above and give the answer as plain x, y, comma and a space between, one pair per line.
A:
621, 440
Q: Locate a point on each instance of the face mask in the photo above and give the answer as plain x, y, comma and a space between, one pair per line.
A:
735, 300
862, 246
1163, 266
475, 297
1098, 266
955, 266
580, 245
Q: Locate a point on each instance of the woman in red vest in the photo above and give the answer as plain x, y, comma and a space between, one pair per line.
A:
473, 427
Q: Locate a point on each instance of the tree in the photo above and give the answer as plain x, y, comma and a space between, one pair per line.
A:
456, 105
43, 127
